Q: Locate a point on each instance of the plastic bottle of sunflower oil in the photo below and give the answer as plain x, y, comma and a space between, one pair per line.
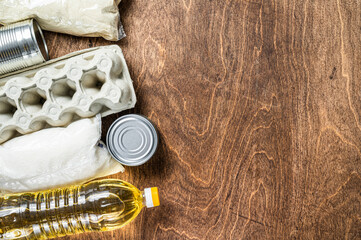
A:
100, 205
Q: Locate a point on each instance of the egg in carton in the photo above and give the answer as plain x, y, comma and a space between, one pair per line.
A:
78, 85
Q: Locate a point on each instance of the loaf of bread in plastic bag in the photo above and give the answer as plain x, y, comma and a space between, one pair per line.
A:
90, 18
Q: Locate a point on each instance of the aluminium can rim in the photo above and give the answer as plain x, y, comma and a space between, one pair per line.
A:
40, 40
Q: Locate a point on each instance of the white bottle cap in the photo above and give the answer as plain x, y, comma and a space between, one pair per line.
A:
151, 197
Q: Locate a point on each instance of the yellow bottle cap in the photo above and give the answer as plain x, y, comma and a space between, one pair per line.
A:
151, 197
155, 196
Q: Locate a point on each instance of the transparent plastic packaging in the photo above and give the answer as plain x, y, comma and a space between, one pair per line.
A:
55, 157
99, 206
90, 18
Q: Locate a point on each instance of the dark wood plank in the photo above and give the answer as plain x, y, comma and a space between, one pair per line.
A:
258, 108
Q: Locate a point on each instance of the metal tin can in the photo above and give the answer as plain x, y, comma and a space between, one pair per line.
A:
132, 140
22, 44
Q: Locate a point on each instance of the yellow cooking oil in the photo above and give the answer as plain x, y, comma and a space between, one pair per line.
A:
100, 205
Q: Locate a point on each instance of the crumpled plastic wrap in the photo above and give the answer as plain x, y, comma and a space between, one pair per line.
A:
55, 157
91, 18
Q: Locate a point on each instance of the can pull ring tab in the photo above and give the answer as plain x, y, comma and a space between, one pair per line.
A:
151, 196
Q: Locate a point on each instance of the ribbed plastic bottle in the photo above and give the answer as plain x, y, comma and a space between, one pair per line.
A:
100, 205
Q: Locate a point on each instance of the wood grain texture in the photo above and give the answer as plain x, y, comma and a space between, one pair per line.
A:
258, 109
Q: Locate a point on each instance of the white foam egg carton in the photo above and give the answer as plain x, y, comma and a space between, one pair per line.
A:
78, 85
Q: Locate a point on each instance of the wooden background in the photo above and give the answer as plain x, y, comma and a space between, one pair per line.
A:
258, 108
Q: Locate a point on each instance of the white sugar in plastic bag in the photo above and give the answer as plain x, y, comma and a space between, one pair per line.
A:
55, 157
90, 18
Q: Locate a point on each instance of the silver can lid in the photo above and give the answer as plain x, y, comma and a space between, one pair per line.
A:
132, 140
